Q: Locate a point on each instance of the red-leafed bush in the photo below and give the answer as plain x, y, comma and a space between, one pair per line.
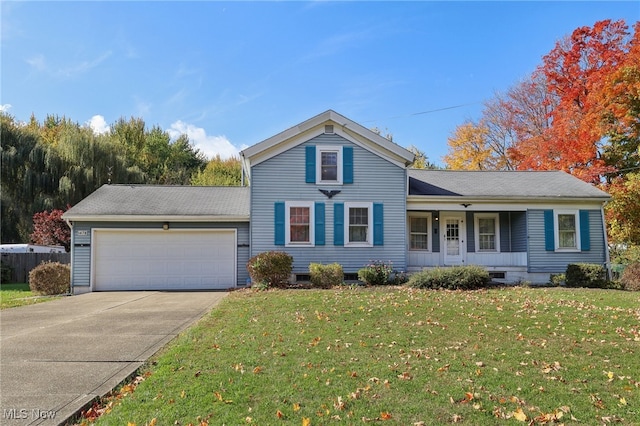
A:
49, 229
631, 277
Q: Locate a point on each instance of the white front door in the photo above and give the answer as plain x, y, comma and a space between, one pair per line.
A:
453, 242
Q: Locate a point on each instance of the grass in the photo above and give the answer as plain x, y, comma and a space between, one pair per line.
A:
399, 356
13, 295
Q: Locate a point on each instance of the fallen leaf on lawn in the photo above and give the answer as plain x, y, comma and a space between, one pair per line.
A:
296, 407
385, 415
257, 370
183, 394
405, 376
456, 418
519, 415
153, 422
306, 421
131, 424
279, 414
218, 395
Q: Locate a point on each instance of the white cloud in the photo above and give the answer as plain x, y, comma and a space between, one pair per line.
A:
5, 107
98, 124
208, 145
38, 62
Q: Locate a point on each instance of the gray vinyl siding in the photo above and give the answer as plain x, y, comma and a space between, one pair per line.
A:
518, 231
282, 178
80, 255
541, 260
471, 235
435, 232
81, 249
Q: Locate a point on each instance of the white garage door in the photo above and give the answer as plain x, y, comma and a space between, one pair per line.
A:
164, 260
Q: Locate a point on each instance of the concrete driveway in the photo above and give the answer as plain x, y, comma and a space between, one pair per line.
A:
57, 356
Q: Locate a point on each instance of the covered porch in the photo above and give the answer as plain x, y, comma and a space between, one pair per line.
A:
462, 235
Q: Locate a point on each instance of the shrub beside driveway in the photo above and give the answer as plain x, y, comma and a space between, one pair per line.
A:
399, 355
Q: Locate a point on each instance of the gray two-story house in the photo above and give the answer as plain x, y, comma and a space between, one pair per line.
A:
330, 190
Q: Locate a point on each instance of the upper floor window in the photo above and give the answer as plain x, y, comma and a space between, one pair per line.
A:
487, 232
329, 166
419, 226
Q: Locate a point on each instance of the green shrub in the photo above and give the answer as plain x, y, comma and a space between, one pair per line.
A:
453, 278
272, 268
326, 276
586, 275
6, 272
377, 272
50, 278
557, 280
631, 277
398, 278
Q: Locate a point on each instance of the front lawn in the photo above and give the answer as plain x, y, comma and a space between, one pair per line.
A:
12, 295
399, 356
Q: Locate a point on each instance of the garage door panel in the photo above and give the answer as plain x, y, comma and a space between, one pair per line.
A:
164, 260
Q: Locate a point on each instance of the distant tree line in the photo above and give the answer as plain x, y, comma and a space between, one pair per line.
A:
56, 163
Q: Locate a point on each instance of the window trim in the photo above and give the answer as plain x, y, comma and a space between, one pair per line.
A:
287, 223
476, 230
429, 218
328, 148
347, 223
556, 230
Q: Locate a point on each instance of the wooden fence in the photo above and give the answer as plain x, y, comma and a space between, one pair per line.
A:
22, 263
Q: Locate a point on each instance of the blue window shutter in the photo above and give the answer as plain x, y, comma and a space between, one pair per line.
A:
549, 231
319, 225
310, 164
378, 224
585, 237
279, 223
338, 224
347, 164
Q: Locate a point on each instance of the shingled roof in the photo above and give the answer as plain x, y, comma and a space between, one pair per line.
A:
178, 202
501, 185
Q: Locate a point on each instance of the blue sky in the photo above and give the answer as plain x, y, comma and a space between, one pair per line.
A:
231, 74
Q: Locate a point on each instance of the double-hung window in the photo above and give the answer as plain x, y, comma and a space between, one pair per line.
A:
329, 165
567, 230
359, 221
487, 232
419, 225
299, 220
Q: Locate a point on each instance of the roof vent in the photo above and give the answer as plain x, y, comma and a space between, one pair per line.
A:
328, 129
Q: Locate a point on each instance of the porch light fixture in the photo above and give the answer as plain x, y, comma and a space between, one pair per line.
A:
165, 226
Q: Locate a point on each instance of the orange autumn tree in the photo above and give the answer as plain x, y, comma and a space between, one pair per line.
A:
619, 95
573, 71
